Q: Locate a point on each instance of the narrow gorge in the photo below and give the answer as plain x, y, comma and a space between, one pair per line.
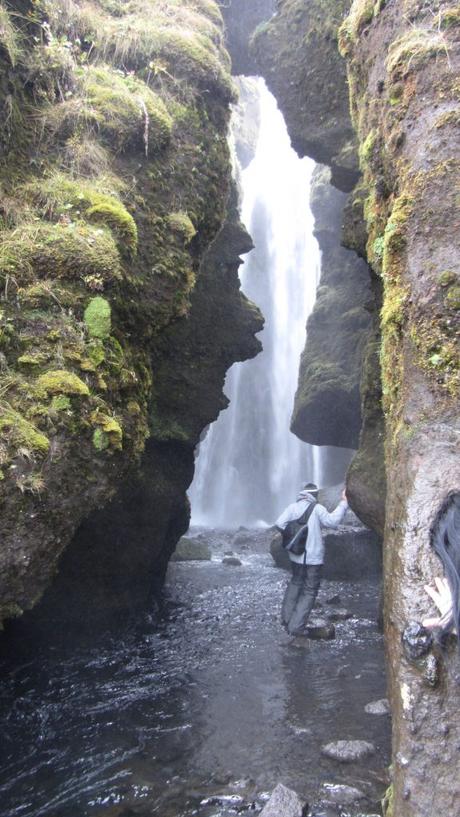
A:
184, 186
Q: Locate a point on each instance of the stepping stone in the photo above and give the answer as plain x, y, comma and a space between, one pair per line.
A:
348, 751
283, 803
320, 628
340, 614
341, 794
231, 561
381, 707
189, 550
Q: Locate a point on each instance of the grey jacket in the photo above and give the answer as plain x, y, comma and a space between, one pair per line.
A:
320, 518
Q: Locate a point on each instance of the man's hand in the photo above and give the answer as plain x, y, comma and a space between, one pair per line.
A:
442, 598
344, 495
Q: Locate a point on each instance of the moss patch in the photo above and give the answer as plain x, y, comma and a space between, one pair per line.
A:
98, 318
61, 382
20, 433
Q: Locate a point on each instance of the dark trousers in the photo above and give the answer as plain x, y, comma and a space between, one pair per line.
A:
300, 596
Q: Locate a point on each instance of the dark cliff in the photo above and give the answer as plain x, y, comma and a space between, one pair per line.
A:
119, 243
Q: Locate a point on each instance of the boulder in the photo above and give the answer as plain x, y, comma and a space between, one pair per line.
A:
232, 561
284, 802
320, 629
339, 614
348, 751
188, 550
279, 555
381, 707
341, 794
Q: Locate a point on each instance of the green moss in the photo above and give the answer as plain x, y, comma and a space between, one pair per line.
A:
110, 431
100, 440
366, 148
378, 246
63, 197
388, 802
395, 234
360, 16
180, 43
392, 314
34, 359
61, 382
20, 433
447, 278
181, 224
413, 49
38, 249
60, 403
453, 297
9, 40
98, 318
126, 111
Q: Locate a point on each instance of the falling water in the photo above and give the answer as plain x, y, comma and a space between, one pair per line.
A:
250, 465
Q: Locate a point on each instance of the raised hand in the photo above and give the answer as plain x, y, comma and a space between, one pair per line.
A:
442, 598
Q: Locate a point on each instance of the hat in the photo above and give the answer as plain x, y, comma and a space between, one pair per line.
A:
310, 487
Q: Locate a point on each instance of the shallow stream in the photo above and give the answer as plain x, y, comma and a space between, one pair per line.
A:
199, 710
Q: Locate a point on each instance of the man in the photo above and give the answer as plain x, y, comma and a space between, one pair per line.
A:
303, 587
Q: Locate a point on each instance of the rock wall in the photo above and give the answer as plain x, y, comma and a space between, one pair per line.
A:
403, 62
115, 181
327, 408
242, 18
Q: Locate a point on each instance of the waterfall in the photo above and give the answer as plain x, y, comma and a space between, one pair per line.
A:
250, 465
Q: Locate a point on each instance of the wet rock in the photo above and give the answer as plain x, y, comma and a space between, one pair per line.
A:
334, 599
188, 550
431, 671
340, 614
325, 810
299, 642
352, 553
341, 794
381, 707
416, 641
348, 751
279, 554
283, 803
232, 561
242, 539
320, 629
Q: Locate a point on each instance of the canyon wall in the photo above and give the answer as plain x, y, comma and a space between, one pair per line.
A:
402, 66
120, 308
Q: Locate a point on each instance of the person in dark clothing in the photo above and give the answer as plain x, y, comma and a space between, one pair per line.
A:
303, 587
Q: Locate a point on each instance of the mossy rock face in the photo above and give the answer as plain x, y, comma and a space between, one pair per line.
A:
327, 408
115, 177
403, 77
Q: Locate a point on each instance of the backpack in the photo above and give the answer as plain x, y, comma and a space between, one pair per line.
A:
295, 533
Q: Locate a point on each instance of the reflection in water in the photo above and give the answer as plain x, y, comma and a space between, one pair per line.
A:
209, 702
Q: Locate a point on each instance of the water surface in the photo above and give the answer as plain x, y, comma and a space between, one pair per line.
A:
200, 711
